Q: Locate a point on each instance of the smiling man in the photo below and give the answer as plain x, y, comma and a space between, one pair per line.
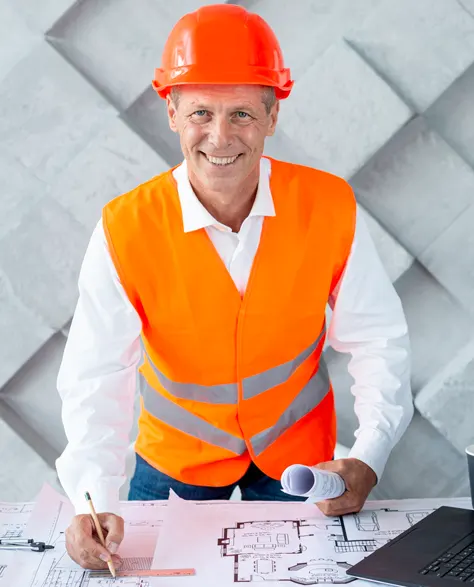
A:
212, 281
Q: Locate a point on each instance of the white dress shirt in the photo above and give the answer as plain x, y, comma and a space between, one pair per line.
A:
98, 375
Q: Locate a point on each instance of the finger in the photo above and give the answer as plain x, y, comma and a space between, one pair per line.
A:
347, 503
91, 552
114, 526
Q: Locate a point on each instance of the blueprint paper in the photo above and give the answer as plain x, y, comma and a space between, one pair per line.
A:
51, 516
230, 542
312, 482
13, 520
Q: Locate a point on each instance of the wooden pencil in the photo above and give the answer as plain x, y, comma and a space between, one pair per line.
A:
98, 529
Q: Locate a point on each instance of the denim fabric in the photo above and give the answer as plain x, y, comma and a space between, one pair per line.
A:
148, 483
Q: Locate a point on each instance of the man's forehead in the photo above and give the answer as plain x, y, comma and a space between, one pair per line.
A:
229, 95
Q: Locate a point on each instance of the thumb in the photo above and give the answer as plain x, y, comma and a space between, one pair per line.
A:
114, 525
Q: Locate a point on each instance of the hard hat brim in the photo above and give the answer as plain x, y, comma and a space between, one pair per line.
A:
191, 75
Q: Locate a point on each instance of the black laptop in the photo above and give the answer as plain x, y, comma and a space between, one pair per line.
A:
438, 550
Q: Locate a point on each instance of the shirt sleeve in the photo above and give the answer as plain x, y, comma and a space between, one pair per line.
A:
369, 323
97, 382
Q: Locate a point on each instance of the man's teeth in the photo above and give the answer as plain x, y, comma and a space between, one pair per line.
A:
221, 160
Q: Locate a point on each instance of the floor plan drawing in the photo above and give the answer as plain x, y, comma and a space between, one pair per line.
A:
281, 550
279, 543
54, 567
367, 521
13, 521
414, 517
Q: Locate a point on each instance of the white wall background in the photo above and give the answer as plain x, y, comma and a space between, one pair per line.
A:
384, 96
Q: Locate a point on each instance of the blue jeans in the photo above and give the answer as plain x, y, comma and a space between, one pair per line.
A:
148, 484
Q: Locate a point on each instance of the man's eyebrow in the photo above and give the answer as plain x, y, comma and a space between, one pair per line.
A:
197, 106
203, 106
244, 107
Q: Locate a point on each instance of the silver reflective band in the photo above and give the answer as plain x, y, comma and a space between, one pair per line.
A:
225, 393
307, 399
174, 415
261, 382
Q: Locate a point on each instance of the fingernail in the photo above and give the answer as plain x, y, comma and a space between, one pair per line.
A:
104, 557
112, 547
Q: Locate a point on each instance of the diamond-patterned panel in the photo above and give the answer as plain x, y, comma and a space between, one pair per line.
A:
33, 396
148, 117
20, 190
42, 15
345, 120
453, 115
394, 257
450, 258
43, 265
447, 400
23, 470
306, 28
117, 44
16, 37
420, 47
22, 330
115, 161
423, 464
48, 113
416, 186
438, 326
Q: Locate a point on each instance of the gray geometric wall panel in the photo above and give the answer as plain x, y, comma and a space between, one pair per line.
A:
384, 96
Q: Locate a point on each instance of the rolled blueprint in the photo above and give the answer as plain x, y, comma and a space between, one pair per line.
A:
311, 482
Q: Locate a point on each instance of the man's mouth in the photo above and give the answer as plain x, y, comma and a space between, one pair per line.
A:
221, 161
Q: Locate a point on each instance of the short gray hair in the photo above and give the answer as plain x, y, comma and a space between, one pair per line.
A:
268, 97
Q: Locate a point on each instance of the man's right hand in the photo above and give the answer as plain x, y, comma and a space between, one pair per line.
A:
83, 544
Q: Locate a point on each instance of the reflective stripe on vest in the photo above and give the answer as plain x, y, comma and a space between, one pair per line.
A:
227, 393
224, 393
307, 399
261, 382
174, 415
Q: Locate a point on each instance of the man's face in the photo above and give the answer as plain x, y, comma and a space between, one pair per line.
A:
222, 130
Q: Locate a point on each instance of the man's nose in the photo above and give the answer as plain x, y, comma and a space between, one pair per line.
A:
220, 133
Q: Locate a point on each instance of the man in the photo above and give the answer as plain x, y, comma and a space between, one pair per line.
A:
217, 275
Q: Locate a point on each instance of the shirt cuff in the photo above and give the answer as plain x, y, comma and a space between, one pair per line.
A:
104, 500
373, 448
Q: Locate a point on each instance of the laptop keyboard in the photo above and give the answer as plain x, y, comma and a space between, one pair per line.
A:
457, 566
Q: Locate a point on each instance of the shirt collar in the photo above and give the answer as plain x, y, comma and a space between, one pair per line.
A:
195, 216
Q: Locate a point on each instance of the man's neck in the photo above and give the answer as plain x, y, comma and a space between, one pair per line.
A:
230, 208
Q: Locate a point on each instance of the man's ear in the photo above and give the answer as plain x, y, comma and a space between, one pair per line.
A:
172, 113
273, 118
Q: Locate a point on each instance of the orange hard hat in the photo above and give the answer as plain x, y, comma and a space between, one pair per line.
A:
222, 44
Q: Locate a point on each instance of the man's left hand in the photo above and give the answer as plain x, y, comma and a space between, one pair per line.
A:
359, 479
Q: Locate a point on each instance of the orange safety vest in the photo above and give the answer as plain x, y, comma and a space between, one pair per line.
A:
226, 379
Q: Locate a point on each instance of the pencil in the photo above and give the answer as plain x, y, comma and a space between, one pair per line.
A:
98, 529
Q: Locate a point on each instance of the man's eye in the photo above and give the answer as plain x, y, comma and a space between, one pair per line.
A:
200, 113
242, 115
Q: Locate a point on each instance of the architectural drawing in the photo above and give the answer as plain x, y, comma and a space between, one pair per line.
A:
414, 517
280, 550
54, 568
13, 520
291, 549
367, 521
